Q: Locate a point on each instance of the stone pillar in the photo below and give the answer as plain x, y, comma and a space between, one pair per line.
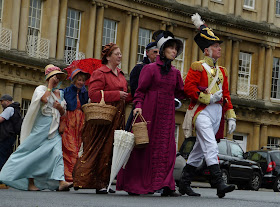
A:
170, 27
126, 43
228, 57
62, 29
9, 88
263, 137
256, 137
163, 25
205, 3
91, 31
23, 25
271, 11
261, 72
197, 2
15, 23
134, 41
99, 30
234, 68
267, 74
238, 7
17, 93
264, 11
53, 27
194, 51
231, 5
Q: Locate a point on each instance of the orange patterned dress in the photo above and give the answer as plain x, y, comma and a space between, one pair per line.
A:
71, 139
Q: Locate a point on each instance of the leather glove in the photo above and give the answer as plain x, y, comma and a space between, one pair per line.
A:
216, 96
231, 125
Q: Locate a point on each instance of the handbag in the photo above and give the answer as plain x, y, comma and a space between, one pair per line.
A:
140, 132
187, 124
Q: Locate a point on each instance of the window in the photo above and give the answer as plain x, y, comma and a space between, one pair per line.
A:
34, 24
179, 61
72, 39
250, 4
222, 147
277, 7
144, 38
275, 83
273, 141
241, 139
109, 32
236, 150
24, 106
244, 73
176, 135
1, 9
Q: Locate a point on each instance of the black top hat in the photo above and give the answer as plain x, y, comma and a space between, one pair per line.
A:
206, 37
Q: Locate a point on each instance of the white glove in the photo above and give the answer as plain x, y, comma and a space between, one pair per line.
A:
231, 125
216, 96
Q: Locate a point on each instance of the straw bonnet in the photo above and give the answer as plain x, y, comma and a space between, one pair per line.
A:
76, 71
51, 70
206, 37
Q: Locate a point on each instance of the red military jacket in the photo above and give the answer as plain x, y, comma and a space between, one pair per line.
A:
198, 79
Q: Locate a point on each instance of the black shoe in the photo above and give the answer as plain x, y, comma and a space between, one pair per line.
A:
102, 191
168, 192
133, 194
185, 181
111, 190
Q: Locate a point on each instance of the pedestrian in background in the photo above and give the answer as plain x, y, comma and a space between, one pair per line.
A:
37, 163
151, 53
150, 169
10, 125
93, 168
72, 123
208, 117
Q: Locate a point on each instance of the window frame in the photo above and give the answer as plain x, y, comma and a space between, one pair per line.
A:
182, 54
277, 7
240, 72
115, 31
138, 45
248, 6
32, 30
1, 12
24, 109
275, 79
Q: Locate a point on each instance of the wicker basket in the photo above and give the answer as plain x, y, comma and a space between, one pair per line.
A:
99, 113
140, 132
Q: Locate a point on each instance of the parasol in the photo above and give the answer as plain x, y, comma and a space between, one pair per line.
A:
87, 65
123, 145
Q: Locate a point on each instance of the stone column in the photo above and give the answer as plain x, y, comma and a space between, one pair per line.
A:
197, 2
91, 31
261, 72
53, 27
170, 27
9, 88
99, 30
264, 11
205, 3
62, 29
15, 23
231, 5
267, 74
228, 57
256, 137
134, 41
263, 137
238, 7
163, 25
194, 51
23, 25
126, 43
17, 93
234, 68
271, 11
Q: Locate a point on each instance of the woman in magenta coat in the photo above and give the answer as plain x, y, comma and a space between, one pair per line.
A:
151, 168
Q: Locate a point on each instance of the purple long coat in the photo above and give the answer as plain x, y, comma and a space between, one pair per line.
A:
151, 168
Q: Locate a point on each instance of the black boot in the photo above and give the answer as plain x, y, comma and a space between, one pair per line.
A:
218, 181
168, 192
185, 181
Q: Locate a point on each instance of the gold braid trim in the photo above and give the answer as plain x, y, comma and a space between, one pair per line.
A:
230, 114
197, 66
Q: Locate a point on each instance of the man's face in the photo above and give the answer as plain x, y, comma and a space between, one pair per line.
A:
214, 51
152, 54
4, 104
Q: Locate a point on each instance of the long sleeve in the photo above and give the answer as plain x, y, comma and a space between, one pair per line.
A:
179, 90
191, 84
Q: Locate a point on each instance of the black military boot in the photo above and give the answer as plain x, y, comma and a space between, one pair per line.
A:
218, 181
185, 181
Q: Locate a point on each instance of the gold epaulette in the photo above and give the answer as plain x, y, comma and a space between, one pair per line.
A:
226, 72
197, 65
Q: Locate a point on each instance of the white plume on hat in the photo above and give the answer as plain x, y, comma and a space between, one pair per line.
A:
197, 21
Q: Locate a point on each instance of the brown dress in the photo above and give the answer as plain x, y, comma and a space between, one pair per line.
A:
93, 168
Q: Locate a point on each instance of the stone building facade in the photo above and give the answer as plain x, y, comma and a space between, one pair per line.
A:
35, 33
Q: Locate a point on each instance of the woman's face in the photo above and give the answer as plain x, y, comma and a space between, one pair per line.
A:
170, 52
116, 57
80, 82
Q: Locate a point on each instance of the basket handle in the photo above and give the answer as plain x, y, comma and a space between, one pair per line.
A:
102, 97
141, 117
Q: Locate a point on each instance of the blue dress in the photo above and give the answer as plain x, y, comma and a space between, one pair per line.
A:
37, 157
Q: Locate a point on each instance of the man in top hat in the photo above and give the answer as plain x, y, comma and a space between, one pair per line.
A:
151, 54
213, 105
10, 124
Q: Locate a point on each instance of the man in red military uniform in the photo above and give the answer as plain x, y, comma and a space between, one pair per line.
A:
207, 86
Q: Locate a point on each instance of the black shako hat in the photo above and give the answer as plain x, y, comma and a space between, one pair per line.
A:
167, 36
206, 37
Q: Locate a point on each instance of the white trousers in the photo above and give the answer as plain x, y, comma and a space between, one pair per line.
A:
207, 125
